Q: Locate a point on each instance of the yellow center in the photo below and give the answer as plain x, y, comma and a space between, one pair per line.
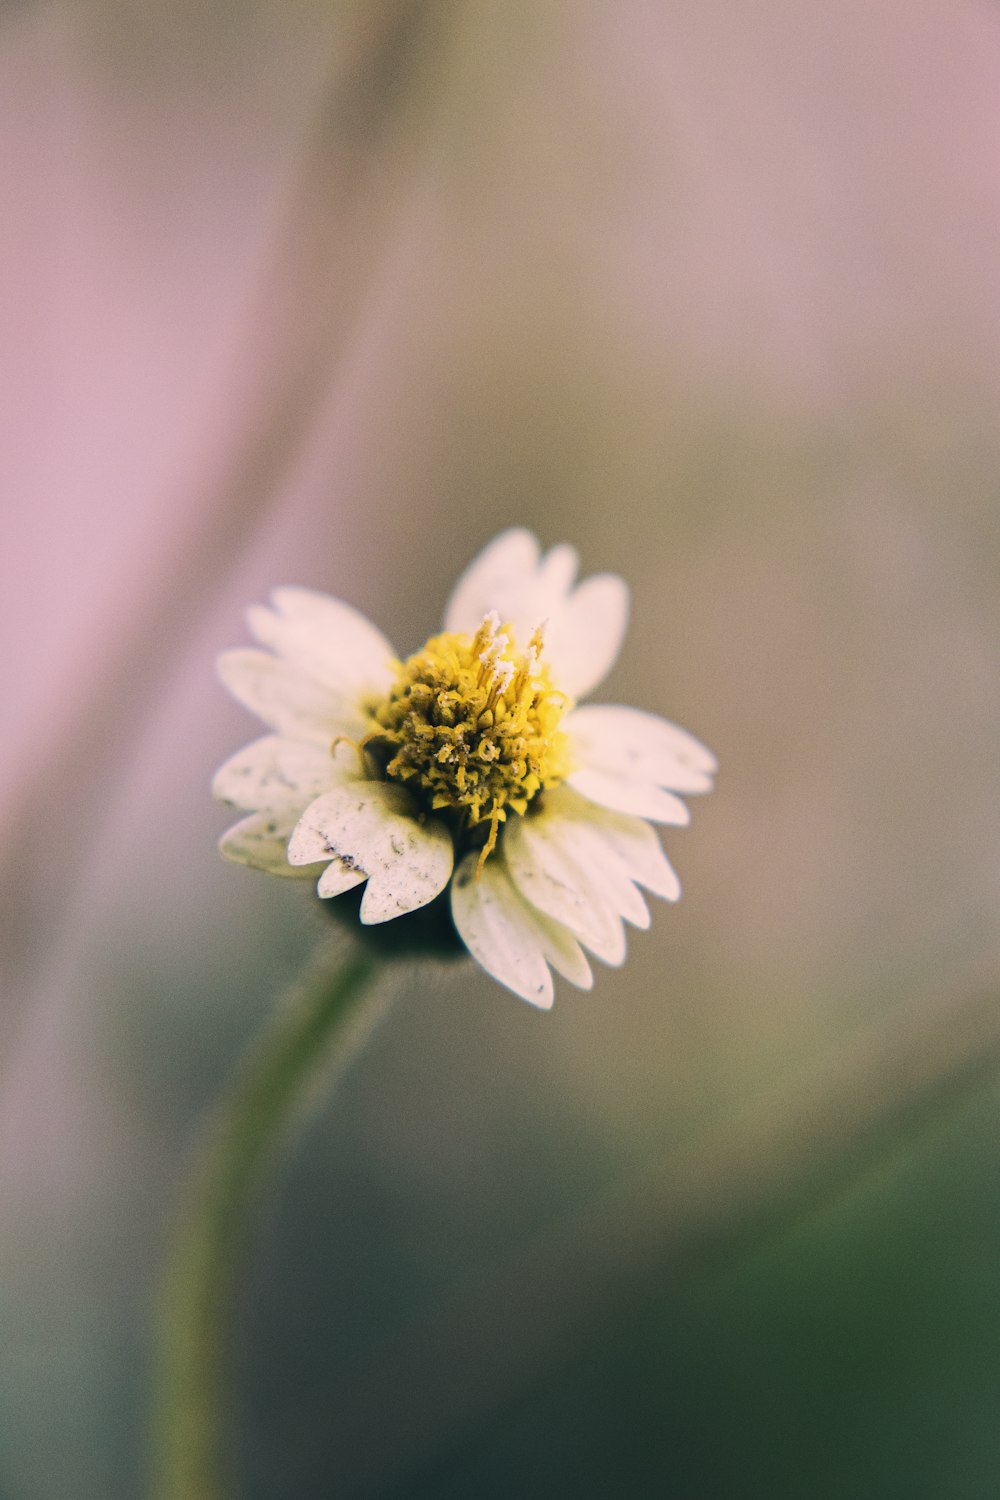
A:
471, 726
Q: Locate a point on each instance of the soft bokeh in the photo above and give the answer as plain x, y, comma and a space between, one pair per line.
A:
329, 294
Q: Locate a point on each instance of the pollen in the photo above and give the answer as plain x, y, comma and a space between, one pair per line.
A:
471, 727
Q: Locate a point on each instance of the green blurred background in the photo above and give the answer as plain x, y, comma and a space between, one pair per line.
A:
330, 294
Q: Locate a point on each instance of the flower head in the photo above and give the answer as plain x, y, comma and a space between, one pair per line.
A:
472, 726
469, 764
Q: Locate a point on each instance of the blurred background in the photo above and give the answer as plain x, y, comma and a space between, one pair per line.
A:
330, 294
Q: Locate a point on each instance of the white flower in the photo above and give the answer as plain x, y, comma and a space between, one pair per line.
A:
469, 763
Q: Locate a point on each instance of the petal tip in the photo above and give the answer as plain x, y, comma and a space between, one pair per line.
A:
541, 998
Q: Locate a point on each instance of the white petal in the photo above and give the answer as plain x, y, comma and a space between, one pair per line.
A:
641, 798
338, 877
493, 924
621, 894
557, 571
512, 941
636, 746
574, 825
260, 841
327, 639
275, 773
288, 700
627, 901
560, 947
551, 872
584, 628
496, 579
585, 632
370, 828
636, 844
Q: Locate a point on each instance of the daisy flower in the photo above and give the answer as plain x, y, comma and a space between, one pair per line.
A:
468, 765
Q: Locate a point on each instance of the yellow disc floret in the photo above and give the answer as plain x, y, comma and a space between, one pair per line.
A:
471, 727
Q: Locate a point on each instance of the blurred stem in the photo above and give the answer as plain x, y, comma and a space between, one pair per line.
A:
313, 1035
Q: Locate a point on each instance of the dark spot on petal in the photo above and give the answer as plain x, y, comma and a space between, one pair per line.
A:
348, 862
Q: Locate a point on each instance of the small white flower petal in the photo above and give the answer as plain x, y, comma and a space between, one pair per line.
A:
511, 940
338, 877
574, 824
551, 873
584, 627
276, 773
561, 949
260, 842
624, 896
636, 844
287, 699
370, 828
585, 632
327, 639
557, 572
502, 573
495, 926
636, 746
641, 798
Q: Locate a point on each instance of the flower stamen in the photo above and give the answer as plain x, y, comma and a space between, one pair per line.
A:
471, 727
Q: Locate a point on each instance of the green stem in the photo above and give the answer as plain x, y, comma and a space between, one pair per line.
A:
311, 1038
